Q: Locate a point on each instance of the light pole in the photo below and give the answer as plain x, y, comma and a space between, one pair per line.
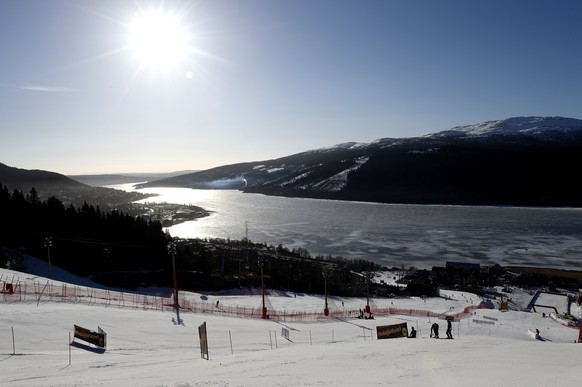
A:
326, 310
367, 292
264, 310
48, 242
172, 251
367, 278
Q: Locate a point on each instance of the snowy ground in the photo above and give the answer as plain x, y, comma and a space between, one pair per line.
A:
145, 348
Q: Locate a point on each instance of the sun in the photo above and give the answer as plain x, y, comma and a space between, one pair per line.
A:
158, 40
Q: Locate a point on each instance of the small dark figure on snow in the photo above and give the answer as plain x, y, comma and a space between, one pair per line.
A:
412, 334
449, 329
434, 330
217, 302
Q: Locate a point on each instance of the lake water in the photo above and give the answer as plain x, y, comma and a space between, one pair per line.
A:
392, 235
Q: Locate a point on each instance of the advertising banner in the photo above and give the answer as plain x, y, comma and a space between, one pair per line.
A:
392, 331
98, 339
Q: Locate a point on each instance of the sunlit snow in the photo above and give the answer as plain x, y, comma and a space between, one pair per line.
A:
145, 347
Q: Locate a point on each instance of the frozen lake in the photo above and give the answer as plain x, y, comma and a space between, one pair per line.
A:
392, 235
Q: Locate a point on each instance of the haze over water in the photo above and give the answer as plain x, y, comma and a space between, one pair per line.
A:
392, 235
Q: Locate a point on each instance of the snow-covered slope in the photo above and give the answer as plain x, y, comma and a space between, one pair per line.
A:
146, 349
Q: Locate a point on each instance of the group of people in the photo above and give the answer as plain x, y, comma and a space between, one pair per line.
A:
367, 316
434, 331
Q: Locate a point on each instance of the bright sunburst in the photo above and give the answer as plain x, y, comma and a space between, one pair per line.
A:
158, 40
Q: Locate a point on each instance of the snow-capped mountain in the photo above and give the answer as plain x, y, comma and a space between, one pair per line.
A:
548, 128
517, 161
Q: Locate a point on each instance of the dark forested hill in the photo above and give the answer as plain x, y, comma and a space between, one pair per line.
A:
69, 191
24, 179
83, 240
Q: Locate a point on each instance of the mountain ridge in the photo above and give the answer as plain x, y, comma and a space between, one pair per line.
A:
523, 161
517, 161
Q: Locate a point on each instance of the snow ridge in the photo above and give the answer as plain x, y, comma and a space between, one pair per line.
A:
536, 126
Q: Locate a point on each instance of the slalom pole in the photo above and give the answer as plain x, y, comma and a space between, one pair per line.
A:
69, 348
230, 338
13, 343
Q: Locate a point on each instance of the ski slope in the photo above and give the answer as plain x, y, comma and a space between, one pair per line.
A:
145, 348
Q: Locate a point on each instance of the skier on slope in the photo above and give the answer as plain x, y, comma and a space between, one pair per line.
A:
434, 331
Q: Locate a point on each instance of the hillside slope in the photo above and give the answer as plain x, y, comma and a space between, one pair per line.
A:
25, 179
528, 161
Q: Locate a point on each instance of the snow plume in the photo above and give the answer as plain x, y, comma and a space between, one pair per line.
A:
230, 183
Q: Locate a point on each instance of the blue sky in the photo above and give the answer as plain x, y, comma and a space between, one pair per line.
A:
260, 79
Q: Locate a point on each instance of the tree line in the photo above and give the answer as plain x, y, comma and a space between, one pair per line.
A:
81, 239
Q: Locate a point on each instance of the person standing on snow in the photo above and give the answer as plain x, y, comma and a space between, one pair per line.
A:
449, 329
434, 331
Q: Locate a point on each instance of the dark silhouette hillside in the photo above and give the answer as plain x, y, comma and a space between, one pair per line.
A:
23, 179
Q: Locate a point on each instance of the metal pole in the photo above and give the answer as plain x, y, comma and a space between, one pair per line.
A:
264, 311
326, 310
13, 343
368, 293
48, 242
230, 338
172, 251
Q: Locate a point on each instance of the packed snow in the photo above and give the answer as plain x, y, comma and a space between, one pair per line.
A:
145, 347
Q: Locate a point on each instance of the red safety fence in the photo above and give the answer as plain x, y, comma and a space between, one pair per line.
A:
49, 292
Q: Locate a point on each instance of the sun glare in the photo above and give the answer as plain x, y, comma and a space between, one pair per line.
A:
158, 40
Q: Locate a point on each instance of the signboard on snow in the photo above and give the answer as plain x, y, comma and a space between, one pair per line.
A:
285, 333
392, 331
98, 339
